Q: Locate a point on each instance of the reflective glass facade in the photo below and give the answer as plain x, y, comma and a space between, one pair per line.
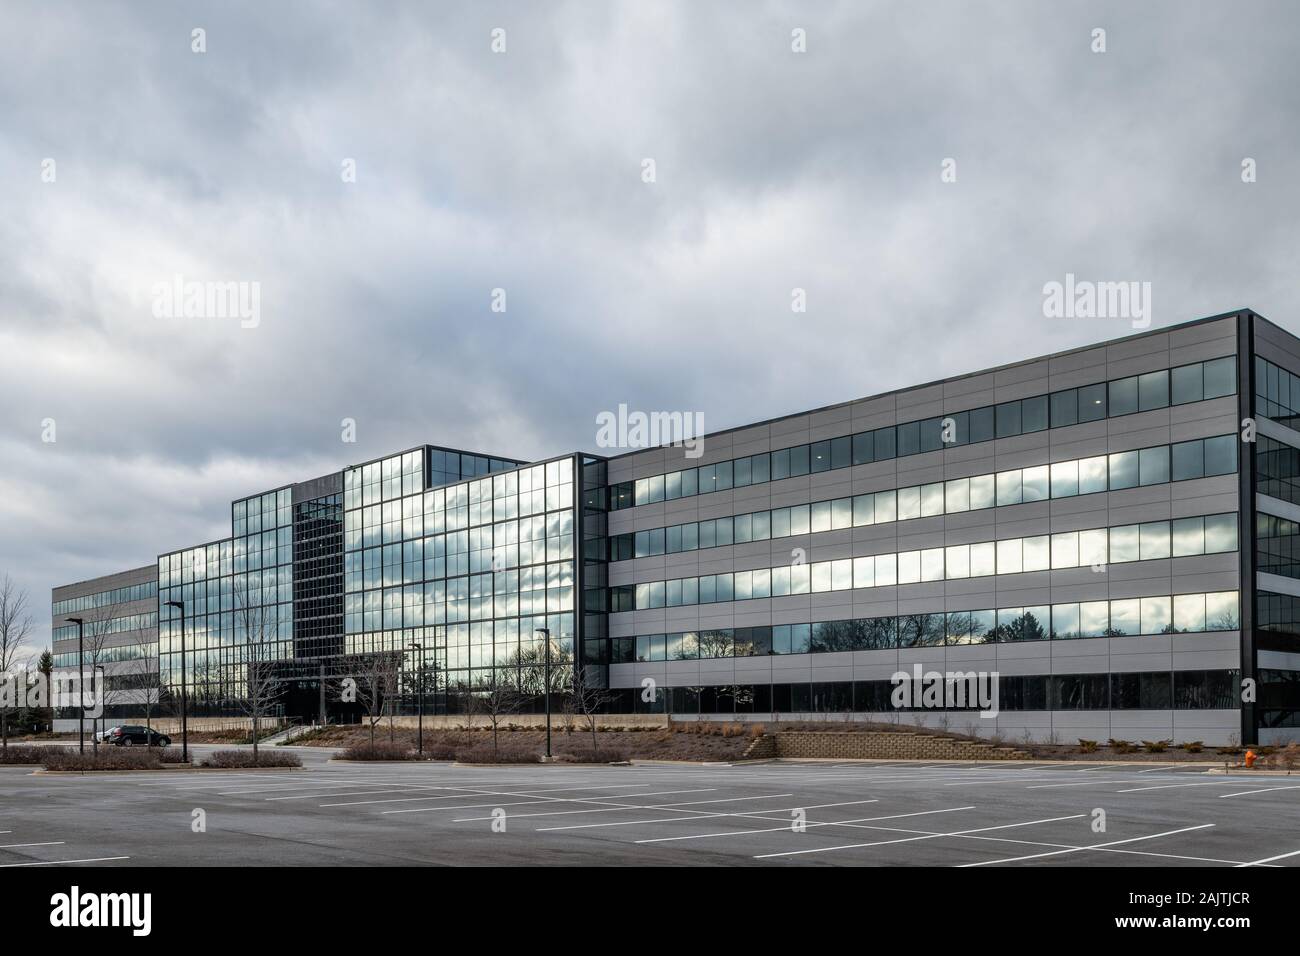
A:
470, 570
1088, 524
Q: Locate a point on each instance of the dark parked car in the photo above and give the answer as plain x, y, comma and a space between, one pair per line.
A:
129, 736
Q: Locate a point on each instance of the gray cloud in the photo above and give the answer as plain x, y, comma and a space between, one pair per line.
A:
522, 171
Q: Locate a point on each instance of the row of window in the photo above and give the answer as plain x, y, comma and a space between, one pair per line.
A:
1136, 393
402, 476
87, 602
110, 655
1152, 540
1176, 614
265, 550
1277, 393
250, 590
1277, 545
1147, 466
226, 629
535, 590
262, 513
1277, 469
465, 634
117, 625
503, 498
456, 653
1146, 690
508, 544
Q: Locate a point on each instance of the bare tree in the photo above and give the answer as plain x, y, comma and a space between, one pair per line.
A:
496, 699
146, 646
261, 689
373, 681
535, 678
15, 630
588, 699
96, 631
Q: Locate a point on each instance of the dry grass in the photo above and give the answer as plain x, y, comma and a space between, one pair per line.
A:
1287, 758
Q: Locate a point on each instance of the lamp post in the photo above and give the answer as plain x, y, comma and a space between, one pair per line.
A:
81, 691
546, 689
419, 734
185, 727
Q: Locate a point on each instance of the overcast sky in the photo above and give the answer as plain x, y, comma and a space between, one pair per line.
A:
524, 171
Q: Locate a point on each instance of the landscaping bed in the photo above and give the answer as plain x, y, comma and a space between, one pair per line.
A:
24, 755
702, 742
243, 759
66, 759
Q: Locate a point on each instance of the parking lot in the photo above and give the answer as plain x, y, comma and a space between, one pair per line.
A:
952, 814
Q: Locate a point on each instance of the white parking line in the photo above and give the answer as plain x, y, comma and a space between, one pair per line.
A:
96, 859
14, 846
781, 829
1068, 846
1095, 846
466, 792
479, 791
928, 836
700, 815
1244, 793
549, 800
1049, 786
353, 793
622, 806
1174, 786
1280, 856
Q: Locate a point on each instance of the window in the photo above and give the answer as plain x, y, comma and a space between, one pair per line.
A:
1123, 470
1220, 377
1033, 414
1008, 419
1153, 465
1092, 402
1123, 398
1188, 460
1187, 384
1065, 408
1153, 390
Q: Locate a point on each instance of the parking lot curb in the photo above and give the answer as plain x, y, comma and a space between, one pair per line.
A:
966, 763
1254, 773
165, 769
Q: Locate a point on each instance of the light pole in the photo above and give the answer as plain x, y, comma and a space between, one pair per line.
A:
419, 734
81, 691
185, 727
546, 689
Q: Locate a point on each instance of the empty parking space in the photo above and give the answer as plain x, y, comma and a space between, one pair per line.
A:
968, 815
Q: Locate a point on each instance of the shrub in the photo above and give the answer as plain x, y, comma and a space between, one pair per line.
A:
486, 753
1231, 751
237, 759
1194, 746
1120, 746
1286, 758
108, 758
25, 754
1156, 746
382, 750
1088, 746
603, 755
